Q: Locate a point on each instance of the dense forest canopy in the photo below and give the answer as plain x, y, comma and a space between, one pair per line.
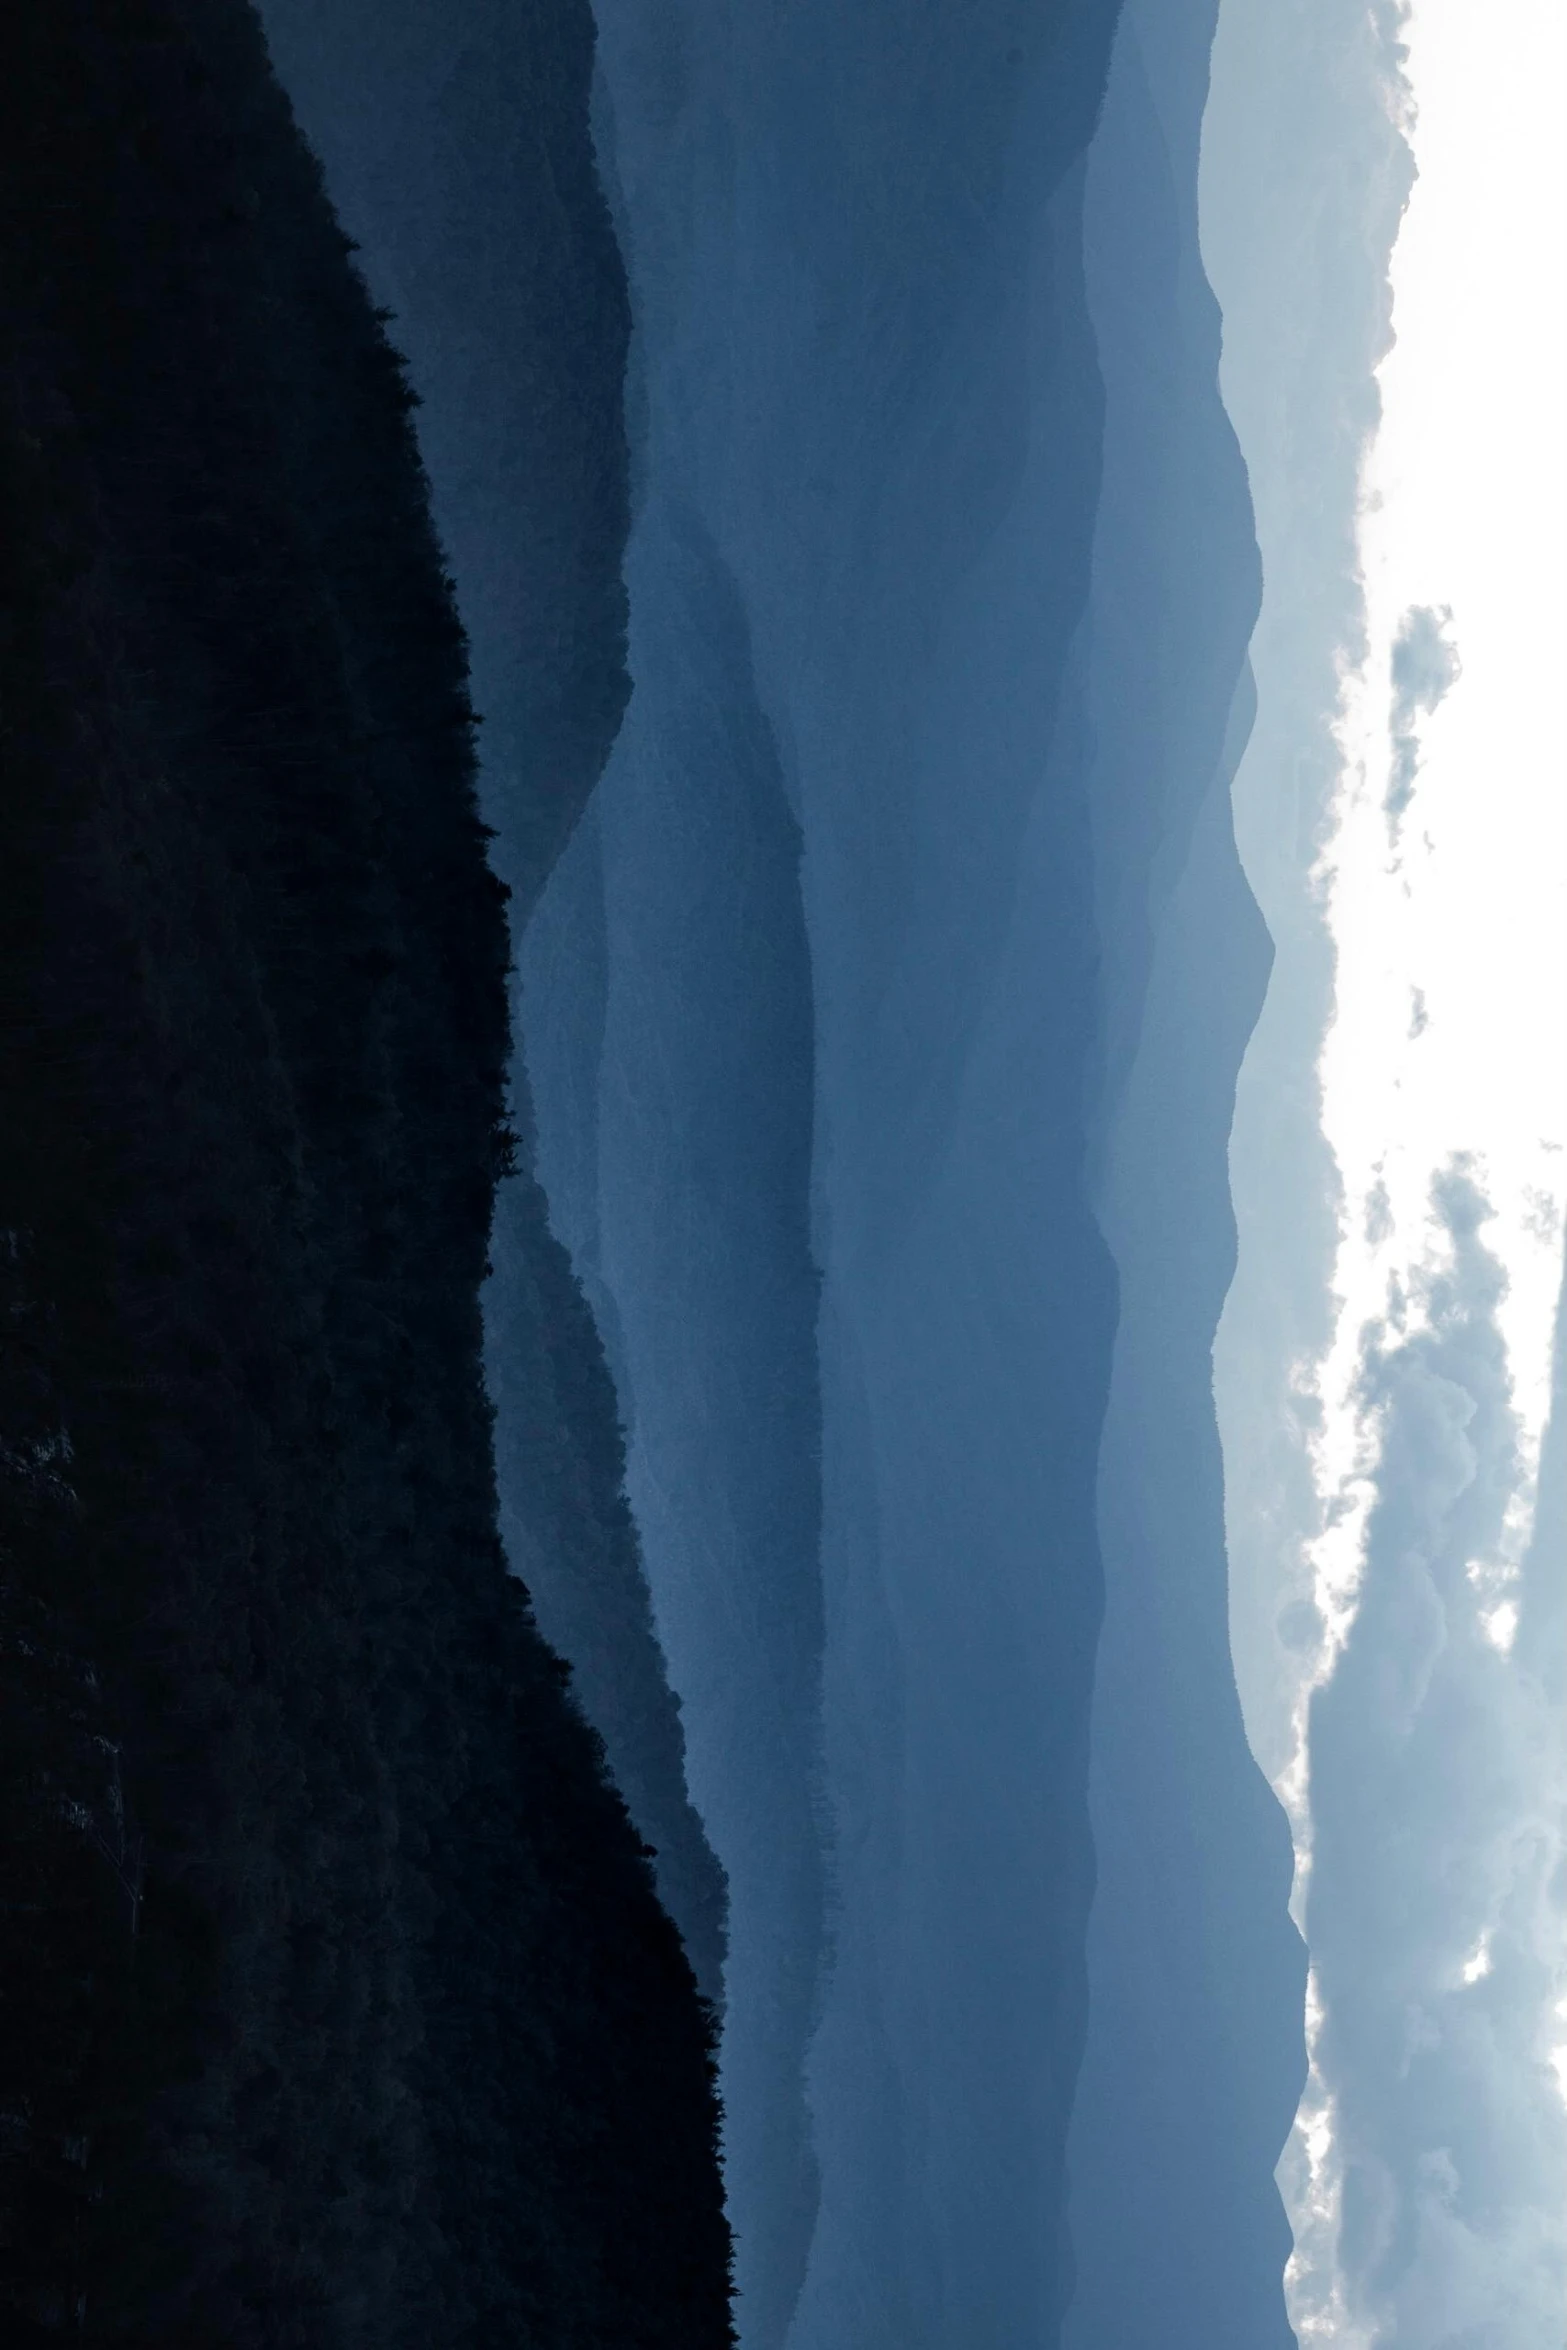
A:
338, 2006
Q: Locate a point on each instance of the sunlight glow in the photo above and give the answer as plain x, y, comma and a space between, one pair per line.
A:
1478, 1964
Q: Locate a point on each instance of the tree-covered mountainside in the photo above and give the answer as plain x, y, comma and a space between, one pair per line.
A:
337, 2004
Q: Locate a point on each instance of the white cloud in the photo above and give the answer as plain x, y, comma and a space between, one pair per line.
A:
1427, 2175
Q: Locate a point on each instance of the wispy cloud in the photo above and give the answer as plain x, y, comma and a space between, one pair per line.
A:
1425, 668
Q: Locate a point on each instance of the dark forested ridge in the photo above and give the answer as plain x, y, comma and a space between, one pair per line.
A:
337, 2005
455, 139
457, 150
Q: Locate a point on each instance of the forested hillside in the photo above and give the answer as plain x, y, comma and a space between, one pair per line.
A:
338, 2007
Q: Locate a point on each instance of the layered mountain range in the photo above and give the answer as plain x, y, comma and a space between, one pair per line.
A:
881, 1020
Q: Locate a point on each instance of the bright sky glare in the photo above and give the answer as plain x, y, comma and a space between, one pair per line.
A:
1450, 1032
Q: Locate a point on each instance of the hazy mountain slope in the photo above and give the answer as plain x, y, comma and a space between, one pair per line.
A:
1196, 1977
864, 368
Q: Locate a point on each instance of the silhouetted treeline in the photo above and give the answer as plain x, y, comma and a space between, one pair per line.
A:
337, 2005
570, 1534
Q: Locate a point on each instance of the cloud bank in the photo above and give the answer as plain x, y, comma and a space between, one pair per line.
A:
1435, 1916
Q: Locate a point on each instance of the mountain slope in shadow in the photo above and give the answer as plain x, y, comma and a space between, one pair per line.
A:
341, 2009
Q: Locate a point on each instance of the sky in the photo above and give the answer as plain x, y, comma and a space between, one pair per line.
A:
1417, 1749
